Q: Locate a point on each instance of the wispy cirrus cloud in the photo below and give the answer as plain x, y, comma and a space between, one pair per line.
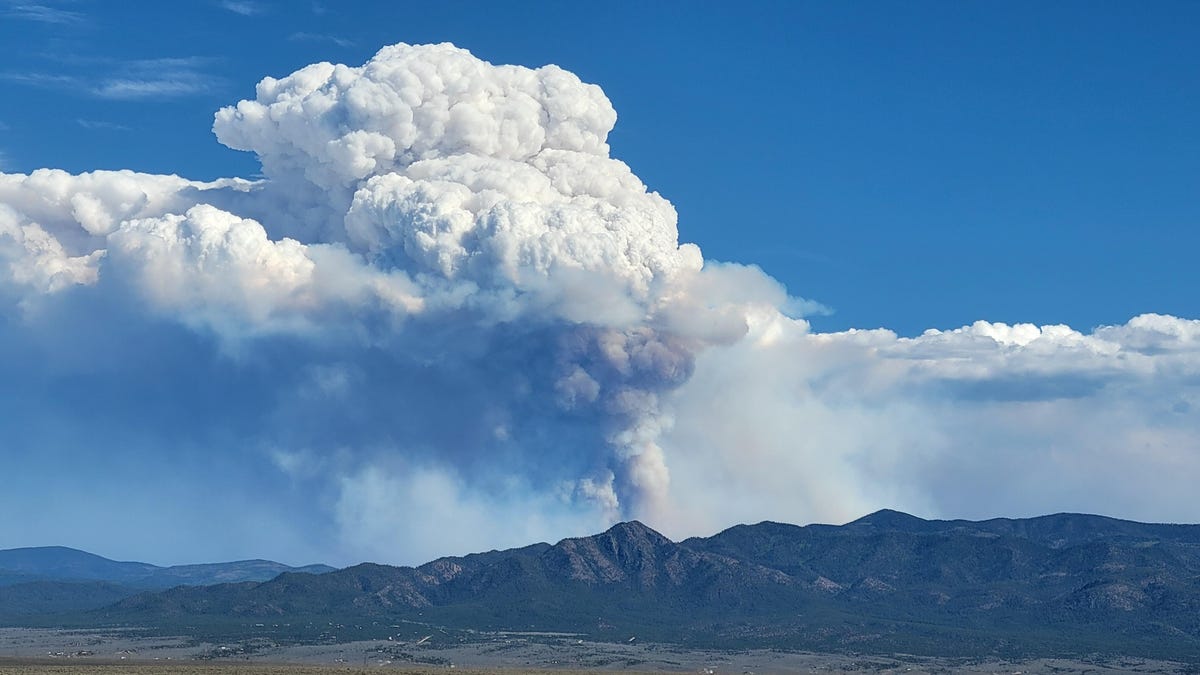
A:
41, 13
129, 80
130, 89
45, 80
101, 125
243, 7
319, 37
154, 78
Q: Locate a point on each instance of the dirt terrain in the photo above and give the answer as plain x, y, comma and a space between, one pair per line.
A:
52, 652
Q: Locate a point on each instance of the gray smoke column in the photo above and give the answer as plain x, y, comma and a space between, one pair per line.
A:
492, 190
521, 297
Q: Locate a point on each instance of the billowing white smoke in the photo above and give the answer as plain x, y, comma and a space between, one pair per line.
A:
463, 219
491, 189
447, 305
982, 421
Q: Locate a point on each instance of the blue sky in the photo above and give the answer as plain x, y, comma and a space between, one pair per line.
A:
913, 166
439, 287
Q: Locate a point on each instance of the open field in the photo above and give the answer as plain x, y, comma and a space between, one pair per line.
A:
25, 651
77, 667
92, 667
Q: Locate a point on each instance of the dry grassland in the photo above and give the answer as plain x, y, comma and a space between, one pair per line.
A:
88, 667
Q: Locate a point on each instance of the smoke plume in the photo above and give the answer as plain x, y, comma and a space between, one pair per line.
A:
447, 319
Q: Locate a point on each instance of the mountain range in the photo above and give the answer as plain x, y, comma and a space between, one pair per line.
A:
54, 579
1059, 585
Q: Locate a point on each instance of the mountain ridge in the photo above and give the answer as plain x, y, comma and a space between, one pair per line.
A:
62, 563
44, 580
1053, 585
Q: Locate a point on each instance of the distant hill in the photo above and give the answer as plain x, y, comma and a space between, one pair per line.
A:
54, 579
62, 564
1059, 585
58, 563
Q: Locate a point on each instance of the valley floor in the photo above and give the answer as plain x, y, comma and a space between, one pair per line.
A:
26, 651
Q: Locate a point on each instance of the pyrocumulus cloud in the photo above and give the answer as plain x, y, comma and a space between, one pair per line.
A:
448, 319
